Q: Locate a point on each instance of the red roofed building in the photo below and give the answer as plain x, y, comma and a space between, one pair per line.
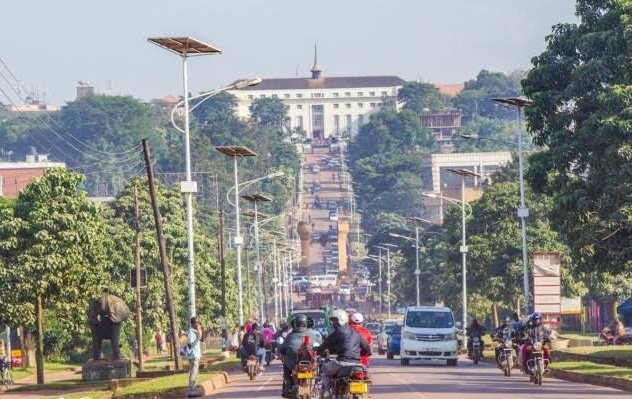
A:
15, 176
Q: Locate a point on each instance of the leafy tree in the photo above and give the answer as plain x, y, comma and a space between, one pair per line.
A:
474, 100
421, 97
269, 112
53, 246
581, 88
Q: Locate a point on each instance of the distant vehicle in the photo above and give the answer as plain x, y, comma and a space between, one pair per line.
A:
332, 271
320, 318
314, 236
394, 340
333, 216
324, 280
374, 328
344, 289
332, 205
315, 168
429, 332
385, 329
296, 280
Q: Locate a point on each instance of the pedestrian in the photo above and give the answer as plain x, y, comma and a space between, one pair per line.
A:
158, 338
169, 340
194, 338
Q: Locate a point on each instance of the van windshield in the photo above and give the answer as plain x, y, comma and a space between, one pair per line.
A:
427, 319
318, 317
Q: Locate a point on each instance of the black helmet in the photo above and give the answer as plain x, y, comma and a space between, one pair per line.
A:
310, 322
300, 321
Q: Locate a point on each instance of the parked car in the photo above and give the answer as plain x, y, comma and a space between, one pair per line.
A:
393, 342
385, 329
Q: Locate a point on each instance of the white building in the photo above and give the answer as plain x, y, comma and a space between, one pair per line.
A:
323, 106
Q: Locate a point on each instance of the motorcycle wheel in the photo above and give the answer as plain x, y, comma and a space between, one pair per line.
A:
509, 366
540, 370
476, 357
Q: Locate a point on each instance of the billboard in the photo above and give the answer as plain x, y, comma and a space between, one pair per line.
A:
547, 298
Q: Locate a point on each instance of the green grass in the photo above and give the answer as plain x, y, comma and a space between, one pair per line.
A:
162, 384
53, 366
620, 352
19, 373
594, 369
574, 335
66, 384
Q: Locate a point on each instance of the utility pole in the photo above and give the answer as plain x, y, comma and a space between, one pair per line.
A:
166, 271
139, 323
223, 271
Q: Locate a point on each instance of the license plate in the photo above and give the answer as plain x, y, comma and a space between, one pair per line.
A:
306, 374
358, 387
251, 362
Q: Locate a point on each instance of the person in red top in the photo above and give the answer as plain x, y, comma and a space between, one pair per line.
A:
355, 322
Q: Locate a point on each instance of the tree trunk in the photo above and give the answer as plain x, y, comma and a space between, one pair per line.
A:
495, 314
27, 346
39, 349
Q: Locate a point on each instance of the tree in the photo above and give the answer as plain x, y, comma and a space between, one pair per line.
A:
421, 97
582, 97
53, 245
269, 112
474, 100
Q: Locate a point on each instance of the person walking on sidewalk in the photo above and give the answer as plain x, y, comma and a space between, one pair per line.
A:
194, 337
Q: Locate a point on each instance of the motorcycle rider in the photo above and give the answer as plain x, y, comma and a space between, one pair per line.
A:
346, 343
499, 335
534, 331
292, 347
474, 330
310, 325
355, 322
252, 345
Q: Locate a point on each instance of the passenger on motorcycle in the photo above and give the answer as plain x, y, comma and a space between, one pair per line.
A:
252, 345
293, 351
502, 332
474, 330
534, 332
346, 343
356, 323
310, 325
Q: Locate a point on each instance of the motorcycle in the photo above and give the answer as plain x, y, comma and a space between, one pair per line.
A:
252, 367
537, 365
351, 382
476, 349
506, 358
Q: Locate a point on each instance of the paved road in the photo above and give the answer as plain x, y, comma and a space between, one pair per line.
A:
433, 380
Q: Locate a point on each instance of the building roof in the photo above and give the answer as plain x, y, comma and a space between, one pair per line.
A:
342, 82
450, 90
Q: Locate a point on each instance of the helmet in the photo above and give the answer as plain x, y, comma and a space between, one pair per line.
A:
357, 318
341, 317
299, 321
507, 319
310, 322
536, 316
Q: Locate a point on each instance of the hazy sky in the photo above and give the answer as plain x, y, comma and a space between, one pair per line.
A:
53, 44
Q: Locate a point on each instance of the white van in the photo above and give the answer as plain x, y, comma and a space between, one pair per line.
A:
429, 332
324, 280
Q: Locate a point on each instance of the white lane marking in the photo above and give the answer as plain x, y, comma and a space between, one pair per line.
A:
408, 387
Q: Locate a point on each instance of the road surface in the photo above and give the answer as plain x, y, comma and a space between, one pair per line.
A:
432, 380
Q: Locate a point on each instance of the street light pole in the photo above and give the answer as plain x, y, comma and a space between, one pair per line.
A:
463, 250
417, 271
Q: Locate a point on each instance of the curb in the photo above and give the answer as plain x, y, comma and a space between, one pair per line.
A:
624, 384
612, 361
204, 388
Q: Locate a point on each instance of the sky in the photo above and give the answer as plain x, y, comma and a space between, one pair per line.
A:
50, 45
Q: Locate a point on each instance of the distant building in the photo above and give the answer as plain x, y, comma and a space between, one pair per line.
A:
84, 89
32, 108
444, 125
15, 176
323, 106
443, 184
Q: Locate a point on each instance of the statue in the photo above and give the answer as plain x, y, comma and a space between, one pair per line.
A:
105, 316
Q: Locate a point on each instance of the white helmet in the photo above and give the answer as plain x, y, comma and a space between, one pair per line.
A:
357, 318
341, 316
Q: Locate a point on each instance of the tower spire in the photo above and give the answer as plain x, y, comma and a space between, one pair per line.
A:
316, 71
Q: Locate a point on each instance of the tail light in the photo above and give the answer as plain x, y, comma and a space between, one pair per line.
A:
359, 375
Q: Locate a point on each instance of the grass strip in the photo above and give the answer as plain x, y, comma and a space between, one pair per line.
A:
593, 368
618, 352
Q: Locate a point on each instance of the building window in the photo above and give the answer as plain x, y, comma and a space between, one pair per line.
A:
360, 94
336, 106
299, 122
348, 122
348, 94
384, 93
275, 96
263, 96
335, 94
317, 95
251, 97
299, 106
360, 120
360, 105
348, 105
299, 95
337, 124
372, 105
286, 95
372, 93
